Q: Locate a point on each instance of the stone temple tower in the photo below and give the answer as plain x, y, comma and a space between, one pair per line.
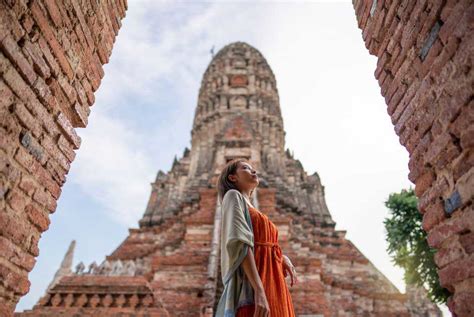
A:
169, 266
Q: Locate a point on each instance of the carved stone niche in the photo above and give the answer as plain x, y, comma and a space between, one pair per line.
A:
238, 51
238, 81
238, 102
230, 158
233, 153
239, 63
252, 102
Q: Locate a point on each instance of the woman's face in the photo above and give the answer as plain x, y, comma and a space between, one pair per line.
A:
245, 177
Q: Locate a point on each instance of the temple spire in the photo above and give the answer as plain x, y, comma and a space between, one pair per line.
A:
66, 265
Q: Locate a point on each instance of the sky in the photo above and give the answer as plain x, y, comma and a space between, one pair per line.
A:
335, 119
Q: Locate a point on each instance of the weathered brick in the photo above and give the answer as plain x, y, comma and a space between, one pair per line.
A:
39, 64
433, 215
463, 303
19, 232
16, 255
47, 181
457, 271
45, 199
68, 90
89, 91
464, 221
17, 200
26, 94
67, 148
465, 186
68, 130
33, 147
25, 159
83, 24
462, 164
37, 217
10, 24
467, 242
54, 151
467, 138
49, 34
437, 146
17, 282
53, 12
10, 48
50, 60
6, 95
451, 20
58, 173
82, 114
81, 96
450, 251
27, 119
28, 185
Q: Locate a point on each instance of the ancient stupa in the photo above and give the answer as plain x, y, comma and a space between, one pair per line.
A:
169, 266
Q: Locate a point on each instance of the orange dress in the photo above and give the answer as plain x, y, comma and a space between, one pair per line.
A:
269, 262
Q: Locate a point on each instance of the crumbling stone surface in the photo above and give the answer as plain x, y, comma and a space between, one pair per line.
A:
51, 57
424, 69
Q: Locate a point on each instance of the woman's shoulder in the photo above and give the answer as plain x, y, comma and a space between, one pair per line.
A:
233, 192
232, 195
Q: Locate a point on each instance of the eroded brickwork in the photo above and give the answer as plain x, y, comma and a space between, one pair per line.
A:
424, 69
174, 254
51, 57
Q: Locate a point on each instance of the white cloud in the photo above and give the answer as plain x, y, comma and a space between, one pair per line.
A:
113, 167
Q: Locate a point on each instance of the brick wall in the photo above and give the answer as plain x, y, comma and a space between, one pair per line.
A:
51, 57
424, 69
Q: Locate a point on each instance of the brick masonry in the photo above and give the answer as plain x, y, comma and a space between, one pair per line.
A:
424, 69
51, 57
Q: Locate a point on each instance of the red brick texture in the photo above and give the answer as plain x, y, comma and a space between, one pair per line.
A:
424, 69
51, 57
99, 296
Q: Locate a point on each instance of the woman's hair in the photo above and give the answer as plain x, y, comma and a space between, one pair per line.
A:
224, 183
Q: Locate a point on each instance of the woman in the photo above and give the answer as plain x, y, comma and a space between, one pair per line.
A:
252, 266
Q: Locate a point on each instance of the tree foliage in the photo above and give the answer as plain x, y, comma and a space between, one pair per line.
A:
408, 247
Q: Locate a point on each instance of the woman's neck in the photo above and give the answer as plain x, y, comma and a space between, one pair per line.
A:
247, 199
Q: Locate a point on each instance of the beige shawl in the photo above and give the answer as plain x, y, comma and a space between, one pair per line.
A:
236, 240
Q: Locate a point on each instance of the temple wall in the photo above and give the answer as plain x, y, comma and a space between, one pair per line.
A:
424, 69
51, 59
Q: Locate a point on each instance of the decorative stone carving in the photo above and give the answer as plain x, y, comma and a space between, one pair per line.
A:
92, 268
238, 102
238, 81
80, 268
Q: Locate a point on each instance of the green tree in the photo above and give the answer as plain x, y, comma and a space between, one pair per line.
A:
408, 247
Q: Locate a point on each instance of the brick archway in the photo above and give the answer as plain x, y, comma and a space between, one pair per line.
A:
51, 65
